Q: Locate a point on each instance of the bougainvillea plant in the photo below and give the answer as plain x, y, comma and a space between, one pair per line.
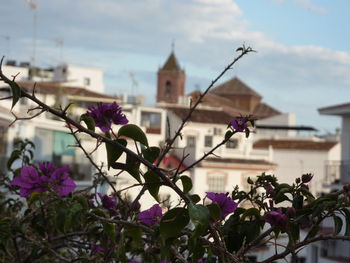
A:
45, 218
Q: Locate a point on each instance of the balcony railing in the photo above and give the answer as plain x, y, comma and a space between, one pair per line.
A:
337, 171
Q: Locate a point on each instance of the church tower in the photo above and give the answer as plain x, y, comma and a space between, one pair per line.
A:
171, 81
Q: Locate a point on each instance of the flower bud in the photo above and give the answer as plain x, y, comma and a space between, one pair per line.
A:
305, 186
297, 180
269, 190
305, 178
291, 212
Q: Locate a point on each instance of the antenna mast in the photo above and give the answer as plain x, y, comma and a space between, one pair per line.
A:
33, 6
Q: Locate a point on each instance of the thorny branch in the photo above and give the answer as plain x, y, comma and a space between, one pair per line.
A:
170, 143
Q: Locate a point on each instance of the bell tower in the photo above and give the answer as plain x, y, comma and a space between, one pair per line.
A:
171, 81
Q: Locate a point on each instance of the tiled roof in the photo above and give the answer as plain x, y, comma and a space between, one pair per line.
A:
295, 145
218, 101
57, 88
234, 86
203, 115
262, 110
171, 63
239, 161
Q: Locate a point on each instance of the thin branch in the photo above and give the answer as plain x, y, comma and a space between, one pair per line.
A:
303, 244
192, 108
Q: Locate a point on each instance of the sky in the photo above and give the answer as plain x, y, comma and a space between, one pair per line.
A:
302, 61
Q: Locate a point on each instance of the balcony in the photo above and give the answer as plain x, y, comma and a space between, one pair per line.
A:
337, 171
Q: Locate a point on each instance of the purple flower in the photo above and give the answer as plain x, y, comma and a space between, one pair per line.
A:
105, 114
151, 216
291, 212
57, 178
60, 181
95, 249
305, 178
29, 181
239, 124
269, 190
276, 218
109, 202
226, 204
47, 168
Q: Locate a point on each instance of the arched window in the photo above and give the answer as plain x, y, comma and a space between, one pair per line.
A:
167, 89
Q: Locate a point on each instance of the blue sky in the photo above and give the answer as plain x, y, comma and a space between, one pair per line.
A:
302, 63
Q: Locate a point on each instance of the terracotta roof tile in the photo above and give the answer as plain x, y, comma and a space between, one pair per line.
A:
203, 115
58, 88
234, 86
239, 161
262, 110
171, 63
295, 145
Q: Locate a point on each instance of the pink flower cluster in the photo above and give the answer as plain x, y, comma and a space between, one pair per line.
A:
226, 204
48, 177
105, 114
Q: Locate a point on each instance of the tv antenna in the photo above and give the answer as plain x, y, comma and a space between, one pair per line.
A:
32, 5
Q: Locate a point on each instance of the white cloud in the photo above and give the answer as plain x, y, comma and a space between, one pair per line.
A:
105, 33
308, 5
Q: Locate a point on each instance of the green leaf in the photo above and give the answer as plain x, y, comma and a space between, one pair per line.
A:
89, 121
16, 154
173, 222
195, 198
109, 229
338, 224
186, 183
151, 154
347, 220
298, 202
251, 212
16, 93
197, 249
247, 132
293, 232
153, 183
215, 212
134, 132
199, 214
34, 196
132, 166
82, 201
114, 152
135, 234
239, 49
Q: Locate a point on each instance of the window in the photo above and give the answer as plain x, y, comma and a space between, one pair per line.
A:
251, 259
217, 131
232, 144
191, 141
56, 146
208, 141
151, 121
216, 182
87, 81
168, 89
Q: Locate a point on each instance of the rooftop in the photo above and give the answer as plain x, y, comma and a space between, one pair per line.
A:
305, 145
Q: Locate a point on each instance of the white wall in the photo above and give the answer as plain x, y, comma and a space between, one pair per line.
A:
77, 76
11, 71
293, 163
